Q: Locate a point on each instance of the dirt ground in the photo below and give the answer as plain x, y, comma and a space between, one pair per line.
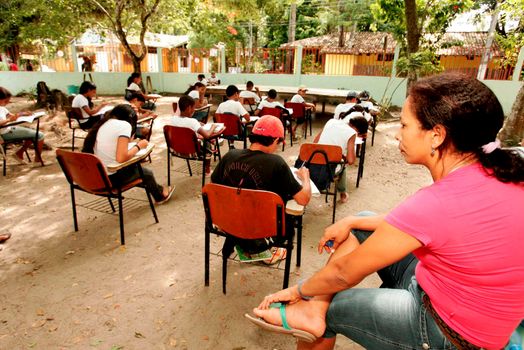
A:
61, 289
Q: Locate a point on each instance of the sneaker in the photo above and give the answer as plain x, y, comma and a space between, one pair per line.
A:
252, 257
277, 254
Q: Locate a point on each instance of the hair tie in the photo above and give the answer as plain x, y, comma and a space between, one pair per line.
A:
490, 147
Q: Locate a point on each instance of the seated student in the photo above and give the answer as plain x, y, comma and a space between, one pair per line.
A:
371, 109
213, 80
133, 84
17, 133
109, 140
310, 107
269, 102
90, 113
343, 133
351, 100
232, 105
137, 101
249, 93
198, 93
201, 78
260, 169
186, 106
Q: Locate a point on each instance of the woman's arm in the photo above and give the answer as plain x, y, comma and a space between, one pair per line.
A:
94, 110
9, 118
384, 247
123, 153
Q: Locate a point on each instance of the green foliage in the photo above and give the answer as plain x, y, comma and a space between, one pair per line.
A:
423, 63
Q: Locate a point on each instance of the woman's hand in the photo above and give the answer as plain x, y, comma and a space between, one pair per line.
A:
289, 295
142, 144
338, 233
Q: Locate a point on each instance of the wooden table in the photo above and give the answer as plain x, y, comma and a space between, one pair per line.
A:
320, 95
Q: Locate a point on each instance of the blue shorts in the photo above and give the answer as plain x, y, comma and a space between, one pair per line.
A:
21, 133
386, 318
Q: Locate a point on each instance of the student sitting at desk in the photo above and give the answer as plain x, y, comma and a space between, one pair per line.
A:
90, 113
310, 107
110, 139
17, 133
249, 93
343, 133
186, 106
137, 101
269, 102
133, 83
198, 93
259, 169
232, 105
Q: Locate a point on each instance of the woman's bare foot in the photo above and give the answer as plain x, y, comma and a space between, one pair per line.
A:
308, 316
344, 197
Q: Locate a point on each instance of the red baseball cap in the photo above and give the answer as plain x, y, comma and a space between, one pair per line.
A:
269, 125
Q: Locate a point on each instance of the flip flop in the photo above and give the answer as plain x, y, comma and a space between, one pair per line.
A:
284, 329
168, 197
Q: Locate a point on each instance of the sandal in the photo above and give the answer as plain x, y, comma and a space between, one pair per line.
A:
277, 255
171, 189
284, 329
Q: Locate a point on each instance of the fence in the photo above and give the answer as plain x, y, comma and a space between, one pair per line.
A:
113, 58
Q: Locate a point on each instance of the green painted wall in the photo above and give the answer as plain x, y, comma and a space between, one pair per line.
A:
115, 83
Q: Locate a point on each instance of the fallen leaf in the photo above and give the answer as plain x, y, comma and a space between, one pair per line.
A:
95, 342
139, 335
32, 345
117, 347
49, 318
128, 277
205, 337
70, 252
40, 312
38, 324
107, 296
52, 329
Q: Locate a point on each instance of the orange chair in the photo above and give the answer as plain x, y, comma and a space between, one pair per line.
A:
243, 213
183, 143
299, 111
277, 112
250, 101
234, 130
85, 172
328, 155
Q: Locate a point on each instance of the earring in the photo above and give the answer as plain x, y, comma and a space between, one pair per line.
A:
432, 151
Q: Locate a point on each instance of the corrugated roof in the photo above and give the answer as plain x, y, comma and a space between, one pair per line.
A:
451, 44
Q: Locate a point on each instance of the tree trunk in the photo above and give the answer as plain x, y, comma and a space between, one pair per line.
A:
136, 64
513, 131
413, 35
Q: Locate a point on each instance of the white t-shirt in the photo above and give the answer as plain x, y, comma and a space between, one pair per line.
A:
194, 94
134, 87
250, 94
231, 106
185, 122
342, 108
266, 103
212, 80
297, 99
337, 132
107, 139
3, 116
80, 101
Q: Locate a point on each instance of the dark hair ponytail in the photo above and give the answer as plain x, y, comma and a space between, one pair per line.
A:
472, 116
194, 87
506, 164
132, 77
121, 112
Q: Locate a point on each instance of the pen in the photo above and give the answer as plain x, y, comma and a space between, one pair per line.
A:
329, 244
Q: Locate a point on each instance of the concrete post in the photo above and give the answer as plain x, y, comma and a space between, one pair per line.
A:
74, 57
518, 66
160, 75
223, 60
297, 69
395, 60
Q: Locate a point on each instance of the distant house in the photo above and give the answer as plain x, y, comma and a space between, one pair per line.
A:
108, 55
372, 53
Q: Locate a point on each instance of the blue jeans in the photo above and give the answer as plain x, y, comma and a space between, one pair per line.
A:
390, 317
20, 133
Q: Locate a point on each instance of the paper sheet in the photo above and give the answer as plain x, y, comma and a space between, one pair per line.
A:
314, 190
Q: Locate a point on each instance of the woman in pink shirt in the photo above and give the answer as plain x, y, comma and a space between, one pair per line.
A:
450, 256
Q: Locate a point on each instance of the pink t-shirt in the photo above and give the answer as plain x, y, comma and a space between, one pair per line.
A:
471, 263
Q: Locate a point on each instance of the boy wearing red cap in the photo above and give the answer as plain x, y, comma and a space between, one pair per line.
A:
258, 168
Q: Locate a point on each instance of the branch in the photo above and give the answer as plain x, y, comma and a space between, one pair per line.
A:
104, 11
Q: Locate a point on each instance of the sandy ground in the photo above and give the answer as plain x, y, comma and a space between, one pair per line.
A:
61, 289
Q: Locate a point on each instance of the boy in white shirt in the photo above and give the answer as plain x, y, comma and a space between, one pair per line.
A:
232, 105
310, 107
351, 100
